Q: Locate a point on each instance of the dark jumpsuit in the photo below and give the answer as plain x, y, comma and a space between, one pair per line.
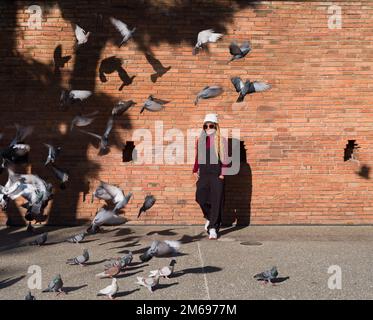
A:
210, 188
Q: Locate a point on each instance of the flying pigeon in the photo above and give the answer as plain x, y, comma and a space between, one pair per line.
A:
81, 35
77, 238
110, 272
267, 276
61, 175
52, 153
82, 120
21, 134
123, 261
248, 87
30, 228
105, 216
104, 139
111, 290
59, 60
164, 272
208, 92
121, 107
148, 203
160, 249
110, 192
205, 37
40, 240
149, 283
29, 296
239, 52
80, 260
152, 104
16, 153
55, 285
69, 97
123, 29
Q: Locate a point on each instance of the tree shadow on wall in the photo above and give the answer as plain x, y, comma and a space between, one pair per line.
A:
30, 90
238, 189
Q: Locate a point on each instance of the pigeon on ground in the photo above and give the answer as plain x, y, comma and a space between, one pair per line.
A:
59, 60
152, 104
123, 261
61, 175
110, 272
69, 97
239, 52
30, 228
104, 139
40, 240
55, 285
53, 153
111, 290
248, 87
123, 29
267, 276
81, 35
112, 193
160, 249
208, 92
149, 283
121, 107
205, 37
82, 120
159, 69
148, 203
29, 296
80, 260
77, 238
164, 272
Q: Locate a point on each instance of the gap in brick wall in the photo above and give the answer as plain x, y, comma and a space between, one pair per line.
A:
128, 151
350, 150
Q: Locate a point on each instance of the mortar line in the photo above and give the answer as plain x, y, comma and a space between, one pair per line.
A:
203, 270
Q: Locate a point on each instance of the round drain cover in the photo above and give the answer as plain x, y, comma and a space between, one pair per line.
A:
251, 243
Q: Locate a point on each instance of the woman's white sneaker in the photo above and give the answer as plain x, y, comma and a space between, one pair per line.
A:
212, 234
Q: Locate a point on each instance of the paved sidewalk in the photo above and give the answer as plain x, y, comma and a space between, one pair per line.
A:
205, 269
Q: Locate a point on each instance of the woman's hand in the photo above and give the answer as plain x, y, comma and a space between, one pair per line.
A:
221, 177
196, 175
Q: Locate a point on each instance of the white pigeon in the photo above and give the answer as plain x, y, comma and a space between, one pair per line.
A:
204, 37
148, 283
81, 35
123, 29
111, 290
164, 272
111, 192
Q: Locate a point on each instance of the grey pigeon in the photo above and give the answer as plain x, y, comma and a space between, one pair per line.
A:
208, 92
55, 285
268, 275
77, 238
149, 283
121, 107
164, 272
112, 193
81, 35
205, 37
29, 296
123, 261
69, 97
53, 153
148, 203
105, 216
30, 228
80, 260
123, 30
21, 134
152, 104
248, 87
40, 240
238, 52
160, 249
82, 120
111, 290
104, 139
61, 175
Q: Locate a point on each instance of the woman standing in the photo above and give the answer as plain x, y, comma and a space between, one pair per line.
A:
209, 169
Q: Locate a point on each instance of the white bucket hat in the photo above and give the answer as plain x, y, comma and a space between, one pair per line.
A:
211, 117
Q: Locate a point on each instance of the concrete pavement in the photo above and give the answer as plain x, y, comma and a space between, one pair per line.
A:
205, 269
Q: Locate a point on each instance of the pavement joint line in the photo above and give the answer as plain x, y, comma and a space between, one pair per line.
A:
203, 270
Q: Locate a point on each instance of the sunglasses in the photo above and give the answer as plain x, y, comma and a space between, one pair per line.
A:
210, 126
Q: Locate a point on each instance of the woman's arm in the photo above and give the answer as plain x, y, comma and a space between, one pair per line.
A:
224, 160
196, 165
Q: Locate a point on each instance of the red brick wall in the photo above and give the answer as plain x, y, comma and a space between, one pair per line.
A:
294, 135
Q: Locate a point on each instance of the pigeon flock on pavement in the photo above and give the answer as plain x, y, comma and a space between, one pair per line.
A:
37, 193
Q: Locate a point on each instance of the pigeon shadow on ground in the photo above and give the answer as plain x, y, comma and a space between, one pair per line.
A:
187, 238
280, 279
9, 282
127, 275
165, 285
206, 269
166, 232
92, 263
125, 293
120, 240
130, 268
72, 289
